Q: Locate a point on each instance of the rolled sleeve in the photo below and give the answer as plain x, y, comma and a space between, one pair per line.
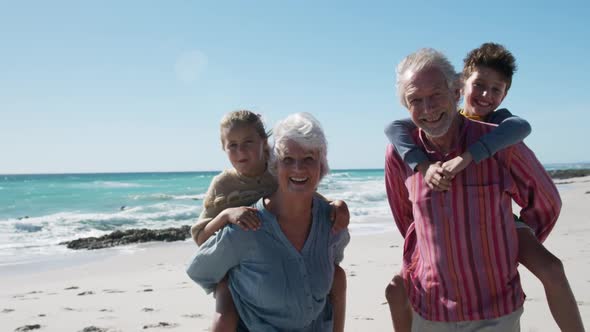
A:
216, 257
536, 193
339, 241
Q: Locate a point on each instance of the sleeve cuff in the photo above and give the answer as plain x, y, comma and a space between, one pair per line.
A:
478, 151
415, 157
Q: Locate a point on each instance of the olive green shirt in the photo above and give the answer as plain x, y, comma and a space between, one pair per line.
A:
230, 189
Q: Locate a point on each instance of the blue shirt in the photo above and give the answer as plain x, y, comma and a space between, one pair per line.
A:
274, 286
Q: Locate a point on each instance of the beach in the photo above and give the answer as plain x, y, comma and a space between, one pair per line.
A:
145, 287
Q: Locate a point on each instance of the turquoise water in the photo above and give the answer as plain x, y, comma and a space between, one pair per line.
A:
39, 211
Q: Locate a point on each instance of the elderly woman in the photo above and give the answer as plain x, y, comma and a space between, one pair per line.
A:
280, 276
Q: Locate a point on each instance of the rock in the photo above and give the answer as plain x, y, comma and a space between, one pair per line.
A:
86, 293
93, 329
160, 325
561, 174
118, 238
27, 328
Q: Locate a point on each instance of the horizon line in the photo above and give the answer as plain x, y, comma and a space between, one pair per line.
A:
217, 171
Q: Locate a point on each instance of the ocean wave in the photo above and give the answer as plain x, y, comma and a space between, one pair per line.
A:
25, 227
338, 175
357, 193
168, 197
54, 228
108, 184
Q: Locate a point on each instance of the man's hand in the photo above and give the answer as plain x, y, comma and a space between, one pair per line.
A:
457, 164
340, 215
244, 217
435, 176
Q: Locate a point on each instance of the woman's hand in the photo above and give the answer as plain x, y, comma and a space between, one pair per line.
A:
244, 217
340, 215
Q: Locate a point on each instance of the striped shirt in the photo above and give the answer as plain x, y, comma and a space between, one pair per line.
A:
461, 246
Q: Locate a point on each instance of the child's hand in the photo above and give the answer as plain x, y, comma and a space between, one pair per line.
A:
457, 164
436, 177
340, 216
244, 217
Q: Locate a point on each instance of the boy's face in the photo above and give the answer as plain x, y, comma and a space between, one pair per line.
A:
484, 91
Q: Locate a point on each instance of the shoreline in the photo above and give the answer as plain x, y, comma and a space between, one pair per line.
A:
180, 233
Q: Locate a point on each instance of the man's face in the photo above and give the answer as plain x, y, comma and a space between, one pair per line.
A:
483, 92
432, 105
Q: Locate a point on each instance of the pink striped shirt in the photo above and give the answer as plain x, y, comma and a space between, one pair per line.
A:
460, 250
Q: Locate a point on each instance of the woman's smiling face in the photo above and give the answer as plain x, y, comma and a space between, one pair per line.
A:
298, 168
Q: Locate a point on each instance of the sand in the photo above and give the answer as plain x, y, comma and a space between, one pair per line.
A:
145, 287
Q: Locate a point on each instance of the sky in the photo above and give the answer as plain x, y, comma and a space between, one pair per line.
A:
135, 86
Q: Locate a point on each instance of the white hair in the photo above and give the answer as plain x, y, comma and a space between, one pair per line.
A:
422, 59
305, 130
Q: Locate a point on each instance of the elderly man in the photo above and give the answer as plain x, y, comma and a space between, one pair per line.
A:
460, 251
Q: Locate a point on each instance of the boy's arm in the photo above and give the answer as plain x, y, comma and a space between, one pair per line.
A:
399, 133
511, 130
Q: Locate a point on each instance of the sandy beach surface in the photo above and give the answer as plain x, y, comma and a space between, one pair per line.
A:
145, 288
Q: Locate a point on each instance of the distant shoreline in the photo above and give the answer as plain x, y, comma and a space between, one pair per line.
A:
566, 168
561, 174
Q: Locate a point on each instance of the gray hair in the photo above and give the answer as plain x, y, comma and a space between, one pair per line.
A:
422, 59
305, 130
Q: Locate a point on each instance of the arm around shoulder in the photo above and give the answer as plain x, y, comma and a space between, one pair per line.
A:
399, 133
511, 130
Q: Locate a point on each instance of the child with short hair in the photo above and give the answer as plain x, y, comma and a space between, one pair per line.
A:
487, 76
230, 195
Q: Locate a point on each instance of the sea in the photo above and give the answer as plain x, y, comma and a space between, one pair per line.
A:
38, 212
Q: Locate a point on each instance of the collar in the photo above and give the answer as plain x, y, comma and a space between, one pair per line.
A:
456, 149
472, 117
